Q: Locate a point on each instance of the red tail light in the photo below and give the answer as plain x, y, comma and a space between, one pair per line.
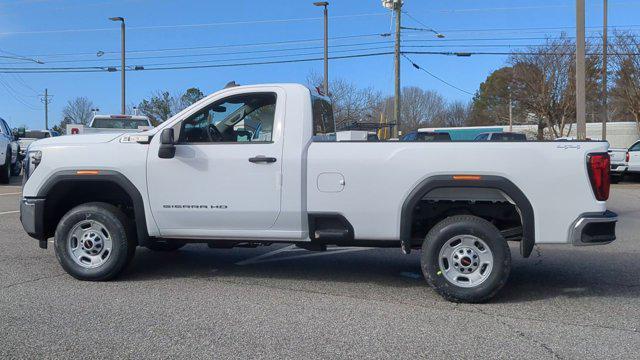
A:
627, 157
598, 165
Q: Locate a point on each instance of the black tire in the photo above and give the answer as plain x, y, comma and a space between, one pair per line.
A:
119, 229
450, 228
164, 245
5, 170
16, 169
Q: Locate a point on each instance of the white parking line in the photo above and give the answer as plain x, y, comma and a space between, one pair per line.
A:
9, 212
15, 193
266, 257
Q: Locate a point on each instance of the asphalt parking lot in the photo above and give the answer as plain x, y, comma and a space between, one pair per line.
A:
281, 302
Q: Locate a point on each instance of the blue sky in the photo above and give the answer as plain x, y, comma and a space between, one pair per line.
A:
45, 29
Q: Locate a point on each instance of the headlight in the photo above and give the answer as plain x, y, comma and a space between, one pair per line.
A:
31, 162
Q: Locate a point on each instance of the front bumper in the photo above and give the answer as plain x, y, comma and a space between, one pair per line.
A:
32, 217
594, 229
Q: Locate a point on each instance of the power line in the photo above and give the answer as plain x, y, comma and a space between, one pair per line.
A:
435, 76
320, 47
469, 53
569, 27
517, 8
15, 95
268, 57
178, 26
23, 83
303, 41
96, 69
258, 44
81, 69
217, 53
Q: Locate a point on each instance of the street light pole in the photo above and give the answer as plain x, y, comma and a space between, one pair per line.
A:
581, 125
325, 87
122, 27
605, 110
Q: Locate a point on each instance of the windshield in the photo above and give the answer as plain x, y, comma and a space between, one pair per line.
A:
432, 136
32, 134
118, 123
508, 137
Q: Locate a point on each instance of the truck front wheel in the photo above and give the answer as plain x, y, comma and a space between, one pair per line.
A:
94, 242
465, 259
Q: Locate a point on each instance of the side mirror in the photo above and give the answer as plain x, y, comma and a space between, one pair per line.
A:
167, 148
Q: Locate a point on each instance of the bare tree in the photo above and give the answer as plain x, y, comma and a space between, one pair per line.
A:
625, 94
421, 108
457, 113
544, 84
77, 111
350, 103
162, 104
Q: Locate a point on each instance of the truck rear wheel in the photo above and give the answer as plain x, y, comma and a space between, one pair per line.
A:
465, 259
94, 242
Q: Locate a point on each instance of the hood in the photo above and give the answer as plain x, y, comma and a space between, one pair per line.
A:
76, 139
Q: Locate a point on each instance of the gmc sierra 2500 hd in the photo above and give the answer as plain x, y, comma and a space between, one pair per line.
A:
253, 165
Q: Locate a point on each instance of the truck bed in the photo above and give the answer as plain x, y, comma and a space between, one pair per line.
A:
377, 178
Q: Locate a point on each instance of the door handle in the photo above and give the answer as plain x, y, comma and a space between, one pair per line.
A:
262, 159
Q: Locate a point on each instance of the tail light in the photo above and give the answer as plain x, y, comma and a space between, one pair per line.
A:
598, 165
626, 158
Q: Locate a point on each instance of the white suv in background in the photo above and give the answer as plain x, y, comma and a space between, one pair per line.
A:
9, 149
634, 158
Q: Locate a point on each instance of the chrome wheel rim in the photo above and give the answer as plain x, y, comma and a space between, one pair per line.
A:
89, 244
465, 261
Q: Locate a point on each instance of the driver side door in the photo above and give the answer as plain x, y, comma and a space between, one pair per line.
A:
225, 177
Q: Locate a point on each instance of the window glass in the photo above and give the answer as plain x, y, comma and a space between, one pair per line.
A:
324, 128
118, 123
3, 127
508, 137
36, 134
241, 118
433, 136
635, 147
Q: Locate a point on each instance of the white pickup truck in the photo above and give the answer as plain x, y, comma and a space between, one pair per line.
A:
257, 165
619, 159
120, 124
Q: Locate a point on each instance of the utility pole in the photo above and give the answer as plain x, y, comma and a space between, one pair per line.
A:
396, 6
605, 110
46, 100
581, 125
510, 112
123, 65
325, 86
396, 100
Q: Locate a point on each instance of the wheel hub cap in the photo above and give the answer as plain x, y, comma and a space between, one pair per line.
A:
89, 243
465, 261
